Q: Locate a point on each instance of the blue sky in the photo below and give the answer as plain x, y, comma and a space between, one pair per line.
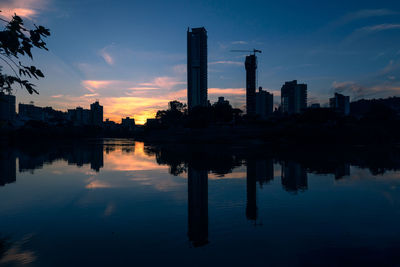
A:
131, 55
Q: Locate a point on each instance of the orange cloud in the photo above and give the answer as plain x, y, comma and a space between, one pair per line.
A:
164, 82
226, 91
23, 8
98, 184
106, 56
119, 161
91, 85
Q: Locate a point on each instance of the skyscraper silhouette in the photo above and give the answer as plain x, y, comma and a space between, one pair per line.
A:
251, 67
293, 97
197, 67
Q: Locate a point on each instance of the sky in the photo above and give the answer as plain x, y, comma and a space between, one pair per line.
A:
131, 55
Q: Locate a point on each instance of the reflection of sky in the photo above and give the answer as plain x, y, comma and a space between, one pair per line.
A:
132, 55
133, 208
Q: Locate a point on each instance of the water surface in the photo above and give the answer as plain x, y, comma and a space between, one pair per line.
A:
118, 202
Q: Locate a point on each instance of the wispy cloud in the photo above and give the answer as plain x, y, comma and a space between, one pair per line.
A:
164, 82
106, 56
359, 91
226, 62
24, 8
362, 14
56, 96
240, 42
365, 31
16, 255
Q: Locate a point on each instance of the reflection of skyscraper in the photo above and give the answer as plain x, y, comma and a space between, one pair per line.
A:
294, 176
251, 190
8, 167
258, 170
198, 206
197, 67
342, 170
264, 171
97, 159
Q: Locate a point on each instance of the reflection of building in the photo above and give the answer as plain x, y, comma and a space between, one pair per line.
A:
7, 107
96, 157
264, 103
8, 167
340, 104
251, 190
294, 176
198, 206
293, 97
264, 171
261, 171
197, 67
342, 170
251, 66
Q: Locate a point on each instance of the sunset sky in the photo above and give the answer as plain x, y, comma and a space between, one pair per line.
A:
131, 55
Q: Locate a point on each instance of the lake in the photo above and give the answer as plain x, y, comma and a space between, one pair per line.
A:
116, 202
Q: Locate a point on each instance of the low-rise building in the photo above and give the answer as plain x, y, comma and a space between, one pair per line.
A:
128, 123
264, 103
7, 107
340, 103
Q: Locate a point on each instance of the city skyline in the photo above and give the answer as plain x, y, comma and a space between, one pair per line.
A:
134, 72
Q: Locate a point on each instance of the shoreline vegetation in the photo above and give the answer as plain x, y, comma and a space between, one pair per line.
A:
375, 123
370, 122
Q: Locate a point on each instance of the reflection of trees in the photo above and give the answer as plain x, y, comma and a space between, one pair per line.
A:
217, 159
8, 166
296, 161
34, 156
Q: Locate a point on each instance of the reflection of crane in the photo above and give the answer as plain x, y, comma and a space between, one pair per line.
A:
254, 51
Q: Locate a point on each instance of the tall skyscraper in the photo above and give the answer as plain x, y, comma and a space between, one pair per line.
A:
251, 67
293, 97
197, 67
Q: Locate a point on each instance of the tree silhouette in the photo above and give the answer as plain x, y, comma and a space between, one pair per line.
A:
15, 41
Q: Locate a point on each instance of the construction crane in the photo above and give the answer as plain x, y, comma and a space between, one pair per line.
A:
254, 51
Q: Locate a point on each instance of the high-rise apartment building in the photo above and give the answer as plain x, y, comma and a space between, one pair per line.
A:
293, 97
197, 67
251, 67
96, 111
